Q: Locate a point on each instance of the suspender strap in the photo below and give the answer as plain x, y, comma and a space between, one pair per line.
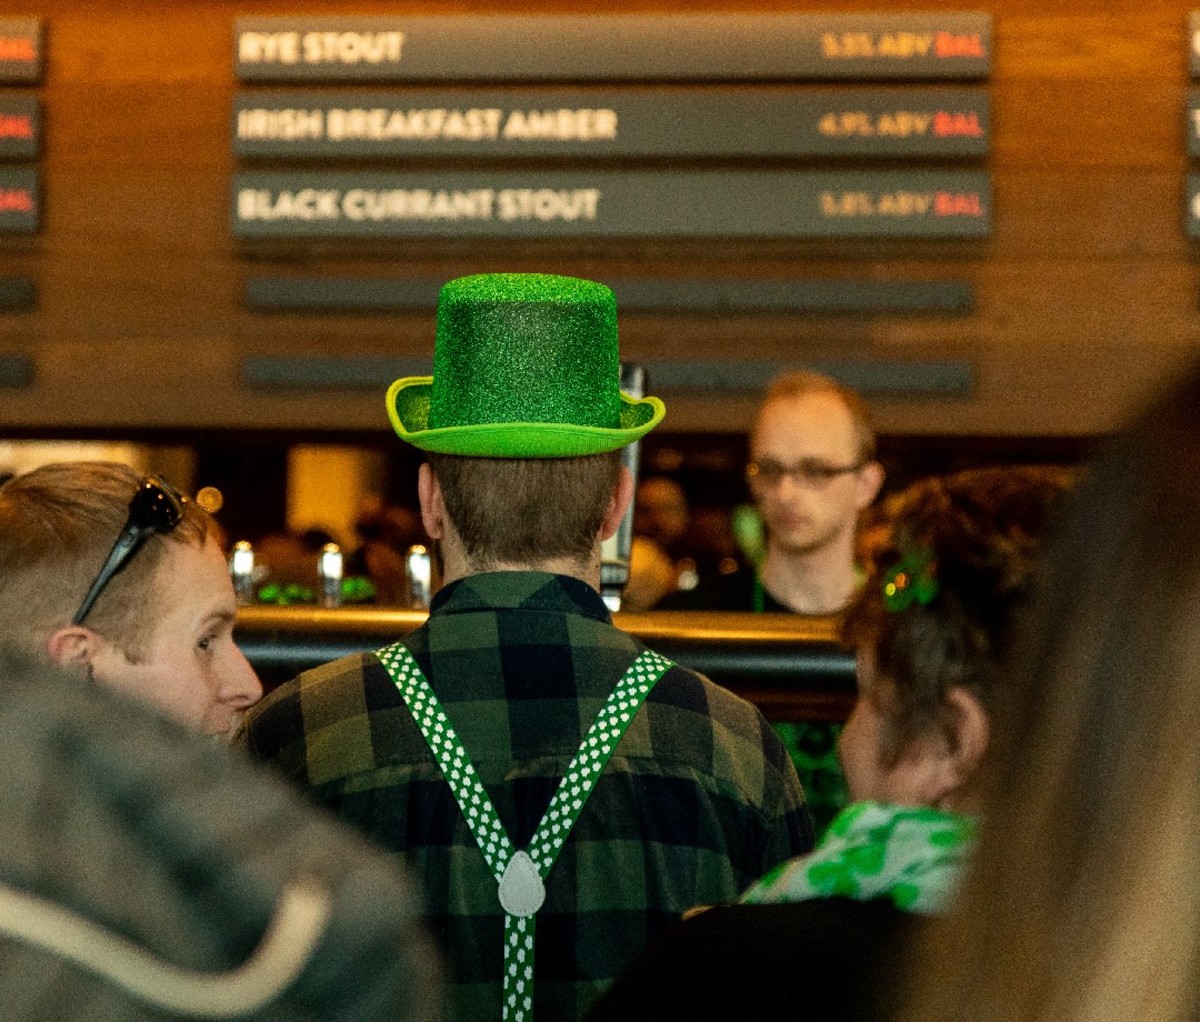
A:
521, 874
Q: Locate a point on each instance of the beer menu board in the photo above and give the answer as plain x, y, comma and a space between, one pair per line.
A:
20, 51
646, 294
20, 129
614, 47
18, 200
731, 87
612, 204
1192, 213
1193, 205
910, 377
1194, 43
893, 122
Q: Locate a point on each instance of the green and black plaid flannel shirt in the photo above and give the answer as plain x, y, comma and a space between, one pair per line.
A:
698, 800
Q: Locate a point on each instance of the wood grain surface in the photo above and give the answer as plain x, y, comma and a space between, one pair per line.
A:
1086, 294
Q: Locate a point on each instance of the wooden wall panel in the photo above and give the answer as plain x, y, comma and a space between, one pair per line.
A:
1085, 295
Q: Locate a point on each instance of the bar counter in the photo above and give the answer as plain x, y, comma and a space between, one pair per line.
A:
793, 668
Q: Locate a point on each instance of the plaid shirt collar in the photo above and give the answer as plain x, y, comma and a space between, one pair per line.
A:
520, 590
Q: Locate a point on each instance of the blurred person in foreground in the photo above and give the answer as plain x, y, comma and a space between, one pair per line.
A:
1082, 904
818, 936
122, 579
562, 792
147, 875
812, 471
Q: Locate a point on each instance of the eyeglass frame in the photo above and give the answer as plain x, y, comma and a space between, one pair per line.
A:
808, 472
156, 507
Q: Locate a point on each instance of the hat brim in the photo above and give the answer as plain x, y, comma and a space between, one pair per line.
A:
408, 410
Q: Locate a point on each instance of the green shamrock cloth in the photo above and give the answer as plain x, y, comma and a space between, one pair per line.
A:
911, 855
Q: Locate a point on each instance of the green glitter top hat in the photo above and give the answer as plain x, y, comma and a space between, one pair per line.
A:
525, 365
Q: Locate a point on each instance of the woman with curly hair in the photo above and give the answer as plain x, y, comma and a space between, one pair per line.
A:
931, 626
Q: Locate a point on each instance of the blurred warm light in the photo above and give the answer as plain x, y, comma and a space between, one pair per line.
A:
18, 456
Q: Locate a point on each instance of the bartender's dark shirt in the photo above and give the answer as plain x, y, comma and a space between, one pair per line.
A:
731, 592
812, 745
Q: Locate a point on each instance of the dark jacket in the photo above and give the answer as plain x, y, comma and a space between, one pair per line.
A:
828, 959
143, 870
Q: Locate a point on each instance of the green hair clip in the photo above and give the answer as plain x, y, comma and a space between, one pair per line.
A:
912, 579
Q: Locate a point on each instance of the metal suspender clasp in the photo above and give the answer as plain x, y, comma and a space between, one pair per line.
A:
521, 889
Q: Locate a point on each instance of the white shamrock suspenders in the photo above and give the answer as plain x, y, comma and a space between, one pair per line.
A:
520, 874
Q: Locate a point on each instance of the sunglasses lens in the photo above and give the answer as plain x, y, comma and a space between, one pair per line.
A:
155, 506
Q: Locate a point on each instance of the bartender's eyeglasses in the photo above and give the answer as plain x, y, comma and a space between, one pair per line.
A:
809, 473
156, 507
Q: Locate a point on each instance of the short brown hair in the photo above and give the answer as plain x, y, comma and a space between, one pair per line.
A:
57, 526
523, 511
803, 382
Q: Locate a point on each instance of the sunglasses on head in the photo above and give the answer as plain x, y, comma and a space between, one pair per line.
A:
156, 506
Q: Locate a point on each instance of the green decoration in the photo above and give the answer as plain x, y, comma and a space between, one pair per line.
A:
749, 533
286, 595
525, 365
356, 589
913, 579
520, 874
912, 855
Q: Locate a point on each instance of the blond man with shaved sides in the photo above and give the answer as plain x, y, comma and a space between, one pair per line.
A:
123, 580
812, 472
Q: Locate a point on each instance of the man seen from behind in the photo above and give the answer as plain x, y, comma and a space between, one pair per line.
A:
561, 792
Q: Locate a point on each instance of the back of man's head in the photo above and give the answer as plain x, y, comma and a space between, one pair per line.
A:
802, 383
57, 526
526, 512
523, 421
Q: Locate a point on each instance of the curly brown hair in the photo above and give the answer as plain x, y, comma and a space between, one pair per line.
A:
978, 533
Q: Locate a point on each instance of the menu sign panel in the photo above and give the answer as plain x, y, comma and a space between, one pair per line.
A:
18, 200
1193, 122
20, 127
614, 47
606, 204
1194, 41
1193, 206
17, 294
20, 50
944, 378
16, 371
891, 122
715, 295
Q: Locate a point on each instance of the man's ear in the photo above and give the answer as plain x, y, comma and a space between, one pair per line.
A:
617, 504
965, 734
72, 647
433, 508
870, 479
